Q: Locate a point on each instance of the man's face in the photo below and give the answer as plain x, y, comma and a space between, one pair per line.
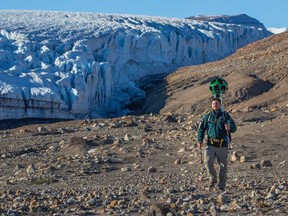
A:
216, 105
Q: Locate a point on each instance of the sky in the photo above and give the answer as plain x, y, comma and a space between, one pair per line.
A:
270, 13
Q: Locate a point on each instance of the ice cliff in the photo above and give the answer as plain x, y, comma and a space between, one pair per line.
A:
87, 65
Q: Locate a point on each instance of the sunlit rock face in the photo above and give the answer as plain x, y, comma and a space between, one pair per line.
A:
85, 65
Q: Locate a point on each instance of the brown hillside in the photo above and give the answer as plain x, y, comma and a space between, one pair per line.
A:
256, 74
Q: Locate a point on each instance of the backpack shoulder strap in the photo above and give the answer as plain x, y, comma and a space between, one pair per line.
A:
224, 116
209, 116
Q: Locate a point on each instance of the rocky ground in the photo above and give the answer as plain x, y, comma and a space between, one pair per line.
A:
141, 165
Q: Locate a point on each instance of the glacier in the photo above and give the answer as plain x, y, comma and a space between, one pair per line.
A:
73, 65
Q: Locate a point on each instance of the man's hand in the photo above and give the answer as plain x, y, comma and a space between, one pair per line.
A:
227, 127
199, 145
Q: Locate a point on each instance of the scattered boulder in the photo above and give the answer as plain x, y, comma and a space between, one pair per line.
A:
75, 146
266, 163
243, 159
255, 166
151, 169
234, 156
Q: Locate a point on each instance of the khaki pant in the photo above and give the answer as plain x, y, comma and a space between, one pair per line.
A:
210, 153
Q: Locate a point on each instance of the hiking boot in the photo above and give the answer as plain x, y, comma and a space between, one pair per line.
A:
212, 184
222, 189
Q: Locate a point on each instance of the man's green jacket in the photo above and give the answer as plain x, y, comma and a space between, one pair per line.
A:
214, 123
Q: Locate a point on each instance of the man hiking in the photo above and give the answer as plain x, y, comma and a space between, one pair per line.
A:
218, 125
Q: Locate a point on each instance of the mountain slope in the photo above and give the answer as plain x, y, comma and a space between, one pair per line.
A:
256, 74
85, 65
242, 19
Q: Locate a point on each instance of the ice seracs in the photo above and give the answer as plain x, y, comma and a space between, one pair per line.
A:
87, 65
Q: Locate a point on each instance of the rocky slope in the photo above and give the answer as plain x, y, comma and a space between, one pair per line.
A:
256, 74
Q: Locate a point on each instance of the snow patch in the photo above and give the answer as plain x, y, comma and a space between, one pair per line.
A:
277, 30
